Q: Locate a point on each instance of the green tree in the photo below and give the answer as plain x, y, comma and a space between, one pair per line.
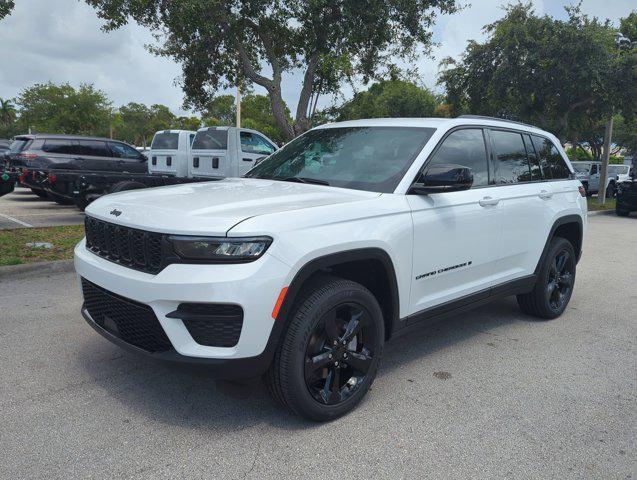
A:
187, 123
628, 26
220, 110
6, 6
223, 43
133, 126
256, 113
54, 108
541, 70
391, 98
7, 118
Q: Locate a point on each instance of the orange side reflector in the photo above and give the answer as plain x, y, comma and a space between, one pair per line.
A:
279, 302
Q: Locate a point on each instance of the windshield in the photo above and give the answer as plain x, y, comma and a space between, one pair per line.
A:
618, 169
581, 168
362, 158
211, 139
18, 145
165, 141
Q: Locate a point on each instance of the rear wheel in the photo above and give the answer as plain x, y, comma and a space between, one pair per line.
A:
622, 213
554, 285
59, 199
40, 193
330, 353
610, 191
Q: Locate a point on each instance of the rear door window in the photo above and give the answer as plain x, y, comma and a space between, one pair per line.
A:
550, 156
57, 146
467, 148
165, 141
534, 162
211, 139
512, 165
94, 148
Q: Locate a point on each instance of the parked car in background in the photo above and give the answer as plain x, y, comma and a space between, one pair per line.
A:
627, 196
589, 173
35, 156
219, 152
170, 152
620, 172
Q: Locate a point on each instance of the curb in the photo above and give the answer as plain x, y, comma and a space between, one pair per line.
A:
13, 272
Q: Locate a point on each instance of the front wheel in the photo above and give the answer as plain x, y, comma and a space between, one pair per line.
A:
330, 353
554, 284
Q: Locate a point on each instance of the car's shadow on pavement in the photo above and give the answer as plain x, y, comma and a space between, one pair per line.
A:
191, 399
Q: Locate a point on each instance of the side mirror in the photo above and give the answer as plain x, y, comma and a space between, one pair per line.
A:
443, 178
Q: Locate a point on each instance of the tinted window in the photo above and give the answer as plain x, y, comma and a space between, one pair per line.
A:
363, 158
512, 166
121, 150
211, 139
94, 148
534, 162
253, 143
466, 148
581, 167
550, 156
593, 169
618, 169
192, 139
18, 145
165, 141
58, 146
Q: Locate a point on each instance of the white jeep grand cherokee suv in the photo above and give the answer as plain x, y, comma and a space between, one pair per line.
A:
351, 234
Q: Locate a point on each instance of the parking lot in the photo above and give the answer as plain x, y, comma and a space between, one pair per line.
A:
489, 394
22, 208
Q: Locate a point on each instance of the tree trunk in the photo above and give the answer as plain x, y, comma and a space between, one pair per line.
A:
278, 111
608, 136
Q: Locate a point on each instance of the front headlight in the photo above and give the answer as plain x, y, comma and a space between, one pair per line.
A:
220, 249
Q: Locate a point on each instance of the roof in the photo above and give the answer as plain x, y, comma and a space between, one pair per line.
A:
434, 123
61, 136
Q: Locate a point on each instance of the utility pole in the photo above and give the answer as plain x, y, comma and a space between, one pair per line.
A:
239, 105
603, 174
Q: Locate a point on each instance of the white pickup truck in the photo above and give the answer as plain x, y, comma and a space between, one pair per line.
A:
170, 152
219, 152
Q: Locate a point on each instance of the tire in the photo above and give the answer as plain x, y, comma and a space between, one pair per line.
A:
126, 185
554, 285
622, 213
59, 199
40, 193
324, 309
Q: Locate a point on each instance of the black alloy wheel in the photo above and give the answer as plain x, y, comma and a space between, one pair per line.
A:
554, 284
560, 280
339, 353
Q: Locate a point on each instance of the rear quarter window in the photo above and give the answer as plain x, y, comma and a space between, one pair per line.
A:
58, 146
211, 139
550, 159
18, 145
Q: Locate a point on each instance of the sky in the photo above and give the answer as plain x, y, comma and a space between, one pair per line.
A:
61, 41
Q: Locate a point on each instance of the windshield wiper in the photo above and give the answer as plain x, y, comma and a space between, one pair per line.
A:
302, 180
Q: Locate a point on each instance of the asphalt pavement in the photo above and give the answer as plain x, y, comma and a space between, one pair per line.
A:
22, 208
488, 394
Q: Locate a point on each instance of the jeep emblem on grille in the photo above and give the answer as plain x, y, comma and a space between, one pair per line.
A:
116, 212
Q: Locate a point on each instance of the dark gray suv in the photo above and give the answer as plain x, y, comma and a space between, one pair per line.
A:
35, 155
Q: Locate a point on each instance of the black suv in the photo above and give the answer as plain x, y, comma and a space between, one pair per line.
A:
35, 155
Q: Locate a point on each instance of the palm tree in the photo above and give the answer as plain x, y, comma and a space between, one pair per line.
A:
7, 112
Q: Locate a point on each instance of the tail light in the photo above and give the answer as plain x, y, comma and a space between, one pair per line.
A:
27, 156
582, 191
52, 177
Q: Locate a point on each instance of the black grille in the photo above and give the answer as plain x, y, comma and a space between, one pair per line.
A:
133, 322
212, 325
127, 246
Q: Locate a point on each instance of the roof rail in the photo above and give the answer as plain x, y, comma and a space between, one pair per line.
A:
484, 117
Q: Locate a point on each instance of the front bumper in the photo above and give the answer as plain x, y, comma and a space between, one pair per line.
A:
253, 286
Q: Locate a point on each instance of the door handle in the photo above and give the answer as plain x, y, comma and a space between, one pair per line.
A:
247, 159
545, 195
488, 202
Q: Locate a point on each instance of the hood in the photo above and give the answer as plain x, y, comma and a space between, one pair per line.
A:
213, 208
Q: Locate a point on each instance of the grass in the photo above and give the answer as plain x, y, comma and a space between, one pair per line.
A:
593, 206
13, 249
